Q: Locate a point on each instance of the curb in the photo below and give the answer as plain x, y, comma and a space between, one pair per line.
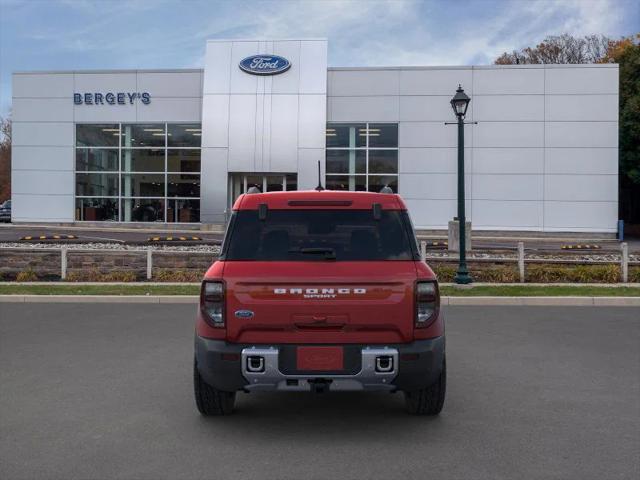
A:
453, 301
543, 301
55, 283
157, 299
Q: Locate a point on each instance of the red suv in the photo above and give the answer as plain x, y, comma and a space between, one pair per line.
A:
317, 291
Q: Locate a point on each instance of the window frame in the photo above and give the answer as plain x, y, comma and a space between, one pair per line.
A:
119, 199
366, 148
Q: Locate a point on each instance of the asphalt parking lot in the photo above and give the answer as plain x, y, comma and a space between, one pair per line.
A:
104, 391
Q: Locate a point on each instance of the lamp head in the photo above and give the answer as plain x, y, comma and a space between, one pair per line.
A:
460, 102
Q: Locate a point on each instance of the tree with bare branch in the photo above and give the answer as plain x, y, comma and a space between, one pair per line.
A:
563, 48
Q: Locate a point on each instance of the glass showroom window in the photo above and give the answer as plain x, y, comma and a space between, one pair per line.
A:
362, 156
138, 172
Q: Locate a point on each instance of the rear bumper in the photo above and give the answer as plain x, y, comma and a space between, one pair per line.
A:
225, 366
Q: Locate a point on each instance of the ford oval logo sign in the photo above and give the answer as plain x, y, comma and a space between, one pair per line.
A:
265, 64
244, 313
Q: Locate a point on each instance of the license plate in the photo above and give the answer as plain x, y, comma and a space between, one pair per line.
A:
320, 358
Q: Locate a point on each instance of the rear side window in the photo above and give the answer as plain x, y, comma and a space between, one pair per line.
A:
301, 235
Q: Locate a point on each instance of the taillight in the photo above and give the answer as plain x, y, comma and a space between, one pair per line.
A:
427, 303
212, 303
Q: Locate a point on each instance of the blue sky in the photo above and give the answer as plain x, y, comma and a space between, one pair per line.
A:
104, 34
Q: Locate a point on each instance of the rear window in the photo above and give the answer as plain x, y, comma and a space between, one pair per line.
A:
301, 235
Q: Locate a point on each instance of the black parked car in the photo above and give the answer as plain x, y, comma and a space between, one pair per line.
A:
5, 211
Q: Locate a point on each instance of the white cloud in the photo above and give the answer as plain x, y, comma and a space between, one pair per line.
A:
405, 32
172, 34
360, 32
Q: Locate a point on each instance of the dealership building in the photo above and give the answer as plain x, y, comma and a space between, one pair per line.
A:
178, 146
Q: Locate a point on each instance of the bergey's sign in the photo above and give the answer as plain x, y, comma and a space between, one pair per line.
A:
110, 98
265, 64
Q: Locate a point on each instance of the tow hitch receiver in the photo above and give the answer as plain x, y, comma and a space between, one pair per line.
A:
319, 385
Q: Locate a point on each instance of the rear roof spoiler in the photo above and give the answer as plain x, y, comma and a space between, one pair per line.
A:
320, 203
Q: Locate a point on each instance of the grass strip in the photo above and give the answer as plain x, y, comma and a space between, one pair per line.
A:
540, 291
485, 290
122, 289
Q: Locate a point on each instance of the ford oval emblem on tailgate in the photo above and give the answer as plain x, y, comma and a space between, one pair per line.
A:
244, 313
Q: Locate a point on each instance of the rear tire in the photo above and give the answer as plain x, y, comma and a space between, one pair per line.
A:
209, 400
430, 400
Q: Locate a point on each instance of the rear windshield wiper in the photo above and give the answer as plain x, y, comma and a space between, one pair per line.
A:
329, 253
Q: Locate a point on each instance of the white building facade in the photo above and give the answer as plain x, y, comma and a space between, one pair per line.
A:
178, 146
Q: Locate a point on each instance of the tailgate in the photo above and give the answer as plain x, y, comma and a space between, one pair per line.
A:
328, 302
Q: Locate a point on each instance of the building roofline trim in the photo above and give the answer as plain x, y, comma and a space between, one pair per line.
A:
479, 67
330, 69
103, 71
227, 40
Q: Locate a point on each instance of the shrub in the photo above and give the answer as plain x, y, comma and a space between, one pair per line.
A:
480, 272
120, 276
573, 273
95, 275
538, 273
27, 276
495, 273
444, 272
170, 275
634, 274
76, 277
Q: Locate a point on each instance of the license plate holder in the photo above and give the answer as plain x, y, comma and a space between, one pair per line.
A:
320, 359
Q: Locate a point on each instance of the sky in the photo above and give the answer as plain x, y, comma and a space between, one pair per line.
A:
108, 34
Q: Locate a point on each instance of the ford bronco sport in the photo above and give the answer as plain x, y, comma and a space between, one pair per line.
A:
316, 291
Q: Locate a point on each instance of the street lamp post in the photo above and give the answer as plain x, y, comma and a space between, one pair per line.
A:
460, 103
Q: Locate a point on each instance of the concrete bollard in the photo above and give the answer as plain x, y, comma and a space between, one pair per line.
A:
521, 261
423, 249
63, 262
149, 262
624, 264
453, 236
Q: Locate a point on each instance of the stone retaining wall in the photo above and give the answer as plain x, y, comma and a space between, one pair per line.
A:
183, 261
106, 262
92, 265
46, 264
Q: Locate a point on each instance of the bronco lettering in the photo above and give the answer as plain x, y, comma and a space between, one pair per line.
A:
315, 291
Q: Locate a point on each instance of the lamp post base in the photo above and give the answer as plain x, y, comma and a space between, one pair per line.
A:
462, 277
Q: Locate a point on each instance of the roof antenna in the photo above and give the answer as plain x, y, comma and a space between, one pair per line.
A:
319, 188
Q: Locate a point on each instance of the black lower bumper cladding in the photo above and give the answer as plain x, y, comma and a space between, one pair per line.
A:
220, 363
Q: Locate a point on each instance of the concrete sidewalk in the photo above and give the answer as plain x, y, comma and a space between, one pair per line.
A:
193, 299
